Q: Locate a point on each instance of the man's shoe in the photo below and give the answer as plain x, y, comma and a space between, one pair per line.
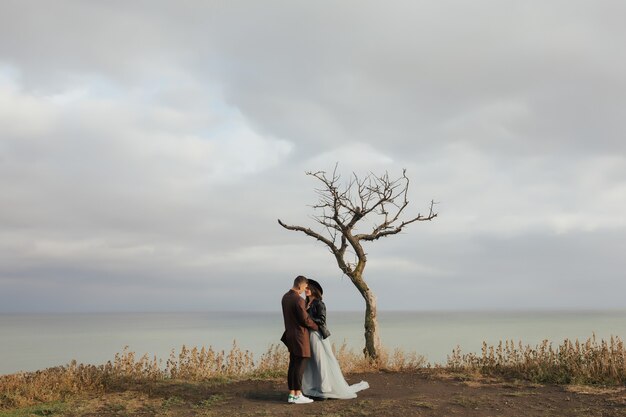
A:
301, 399
291, 399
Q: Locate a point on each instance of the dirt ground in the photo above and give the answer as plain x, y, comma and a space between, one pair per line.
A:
423, 393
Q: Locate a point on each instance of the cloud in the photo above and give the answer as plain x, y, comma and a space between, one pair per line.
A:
148, 148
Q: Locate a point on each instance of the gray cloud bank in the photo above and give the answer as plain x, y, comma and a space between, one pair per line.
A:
147, 149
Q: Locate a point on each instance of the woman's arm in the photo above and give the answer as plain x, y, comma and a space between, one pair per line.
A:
321, 313
303, 317
320, 318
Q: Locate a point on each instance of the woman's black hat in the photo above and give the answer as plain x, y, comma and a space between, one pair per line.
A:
313, 283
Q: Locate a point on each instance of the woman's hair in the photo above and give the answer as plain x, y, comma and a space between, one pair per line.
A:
315, 292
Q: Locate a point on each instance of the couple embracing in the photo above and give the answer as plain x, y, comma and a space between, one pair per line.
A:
313, 368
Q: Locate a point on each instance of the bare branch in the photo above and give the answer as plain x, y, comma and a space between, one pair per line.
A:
392, 230
311, 233
338, 252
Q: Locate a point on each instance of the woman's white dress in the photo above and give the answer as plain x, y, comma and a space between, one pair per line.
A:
322, 376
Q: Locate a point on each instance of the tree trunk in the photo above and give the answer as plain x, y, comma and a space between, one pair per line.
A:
372, 339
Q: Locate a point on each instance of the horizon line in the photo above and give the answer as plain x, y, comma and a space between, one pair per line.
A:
277, 311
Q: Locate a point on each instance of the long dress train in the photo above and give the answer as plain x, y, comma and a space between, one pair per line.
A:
322, 376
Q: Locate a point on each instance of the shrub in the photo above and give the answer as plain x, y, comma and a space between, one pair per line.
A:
591, 362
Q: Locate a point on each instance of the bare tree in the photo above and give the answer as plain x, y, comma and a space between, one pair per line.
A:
340, 209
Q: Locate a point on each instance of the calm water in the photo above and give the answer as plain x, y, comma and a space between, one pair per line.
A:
30, 342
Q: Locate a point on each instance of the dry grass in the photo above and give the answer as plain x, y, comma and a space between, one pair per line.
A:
195, 364
52, 384
591, 362
396, 361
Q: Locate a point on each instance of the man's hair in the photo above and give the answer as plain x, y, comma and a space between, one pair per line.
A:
299, 281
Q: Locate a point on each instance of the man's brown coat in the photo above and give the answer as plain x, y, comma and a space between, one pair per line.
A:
297, 325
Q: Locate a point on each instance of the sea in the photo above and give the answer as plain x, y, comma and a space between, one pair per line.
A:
30, 342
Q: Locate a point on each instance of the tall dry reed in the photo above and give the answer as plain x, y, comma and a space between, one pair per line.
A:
190, 364
591, 362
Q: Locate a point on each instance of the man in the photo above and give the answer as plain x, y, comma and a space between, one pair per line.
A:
296, 337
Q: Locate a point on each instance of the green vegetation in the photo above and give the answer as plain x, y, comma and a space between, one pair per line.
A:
49, 409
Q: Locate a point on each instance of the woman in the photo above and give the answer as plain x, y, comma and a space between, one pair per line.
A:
322, 376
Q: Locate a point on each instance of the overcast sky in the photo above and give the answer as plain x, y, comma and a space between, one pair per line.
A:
147, 149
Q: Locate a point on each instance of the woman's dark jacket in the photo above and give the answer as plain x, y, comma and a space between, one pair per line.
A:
317, 312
